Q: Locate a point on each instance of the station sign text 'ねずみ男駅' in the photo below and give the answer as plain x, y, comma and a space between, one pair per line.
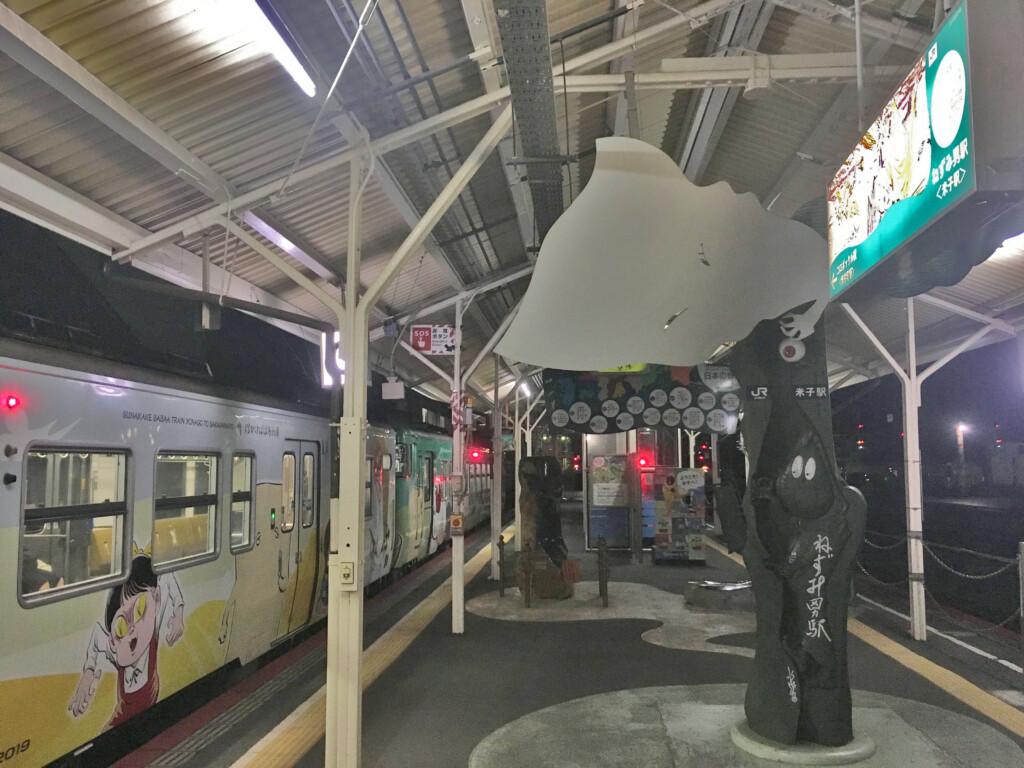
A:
935, 170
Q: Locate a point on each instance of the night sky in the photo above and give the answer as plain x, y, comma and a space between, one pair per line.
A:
981, 389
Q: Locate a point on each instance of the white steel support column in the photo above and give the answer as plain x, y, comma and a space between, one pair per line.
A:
345, 561
911, 382
915, 494
345, 600
496, 471
912, 464
693, 447
459, 428
518, 453
716, 470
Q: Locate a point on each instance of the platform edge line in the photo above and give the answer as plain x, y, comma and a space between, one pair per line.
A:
376, 659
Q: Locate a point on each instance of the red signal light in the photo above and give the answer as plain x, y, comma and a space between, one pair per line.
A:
474, 455
11, 402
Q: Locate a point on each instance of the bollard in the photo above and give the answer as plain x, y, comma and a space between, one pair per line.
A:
1020, 586
602, 569
501, 566
528, 571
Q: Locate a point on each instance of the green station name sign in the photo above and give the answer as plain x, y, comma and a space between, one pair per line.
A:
915, 162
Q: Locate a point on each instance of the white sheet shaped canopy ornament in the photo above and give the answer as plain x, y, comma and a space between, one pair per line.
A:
647, 267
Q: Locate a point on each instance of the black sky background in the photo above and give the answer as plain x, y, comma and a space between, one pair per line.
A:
981, 389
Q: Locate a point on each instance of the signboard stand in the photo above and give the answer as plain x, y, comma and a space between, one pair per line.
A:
608, 500
680, 508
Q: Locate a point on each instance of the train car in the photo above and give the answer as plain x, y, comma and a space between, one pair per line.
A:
165, 499
423, 486
151, 532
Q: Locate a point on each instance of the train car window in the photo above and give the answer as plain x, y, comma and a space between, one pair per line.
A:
184, 506
241, 501
308, 493
446, 473
287, 492
73, 521
427, 480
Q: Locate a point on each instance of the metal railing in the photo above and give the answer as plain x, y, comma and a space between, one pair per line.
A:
960, 583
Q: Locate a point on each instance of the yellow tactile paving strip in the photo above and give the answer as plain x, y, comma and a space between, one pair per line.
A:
303, 728
978, 699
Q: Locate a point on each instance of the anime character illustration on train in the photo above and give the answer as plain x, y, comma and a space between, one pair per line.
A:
129, 639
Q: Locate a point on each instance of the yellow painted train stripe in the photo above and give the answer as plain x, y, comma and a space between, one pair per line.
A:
960, 688
303, 728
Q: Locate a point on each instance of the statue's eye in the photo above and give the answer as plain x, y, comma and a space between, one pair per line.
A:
120, 627
798, 466
810, 467
140, 607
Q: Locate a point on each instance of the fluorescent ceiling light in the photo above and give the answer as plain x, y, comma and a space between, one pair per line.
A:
1011, 247
245, 18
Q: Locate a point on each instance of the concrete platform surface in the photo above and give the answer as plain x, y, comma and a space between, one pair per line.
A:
684, 627
689, 727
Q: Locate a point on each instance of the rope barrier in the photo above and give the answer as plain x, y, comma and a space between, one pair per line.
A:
973, 577
879, 581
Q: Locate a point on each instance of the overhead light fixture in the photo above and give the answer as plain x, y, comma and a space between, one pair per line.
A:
525, 388
247, 18
326, 374
1011, 247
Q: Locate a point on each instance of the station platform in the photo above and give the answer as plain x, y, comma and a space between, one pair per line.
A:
649, 681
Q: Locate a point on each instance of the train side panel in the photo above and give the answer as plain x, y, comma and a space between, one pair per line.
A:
379, 512
119, 582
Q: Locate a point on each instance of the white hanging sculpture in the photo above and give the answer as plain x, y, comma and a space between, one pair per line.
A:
647, 267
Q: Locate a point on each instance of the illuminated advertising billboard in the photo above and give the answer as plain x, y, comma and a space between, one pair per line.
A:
915, 162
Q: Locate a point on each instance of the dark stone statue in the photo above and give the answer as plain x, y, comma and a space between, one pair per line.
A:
803, 528
541, 479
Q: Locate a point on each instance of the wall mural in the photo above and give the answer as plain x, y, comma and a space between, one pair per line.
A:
700, 397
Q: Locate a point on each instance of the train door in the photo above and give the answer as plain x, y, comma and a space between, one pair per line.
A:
427, 499
298, 526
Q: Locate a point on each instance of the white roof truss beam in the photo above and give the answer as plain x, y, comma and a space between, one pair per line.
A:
415, 132
469, 293
741, 30
28, 193
892, 31
835, 118
47, 61
994, 322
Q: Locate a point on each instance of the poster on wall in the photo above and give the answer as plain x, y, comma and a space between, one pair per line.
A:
915, 162
680, 507
703, 398
608, 501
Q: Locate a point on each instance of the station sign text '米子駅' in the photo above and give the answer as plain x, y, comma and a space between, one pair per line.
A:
915, 162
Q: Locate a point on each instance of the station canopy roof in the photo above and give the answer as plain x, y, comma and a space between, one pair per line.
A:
122, 121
